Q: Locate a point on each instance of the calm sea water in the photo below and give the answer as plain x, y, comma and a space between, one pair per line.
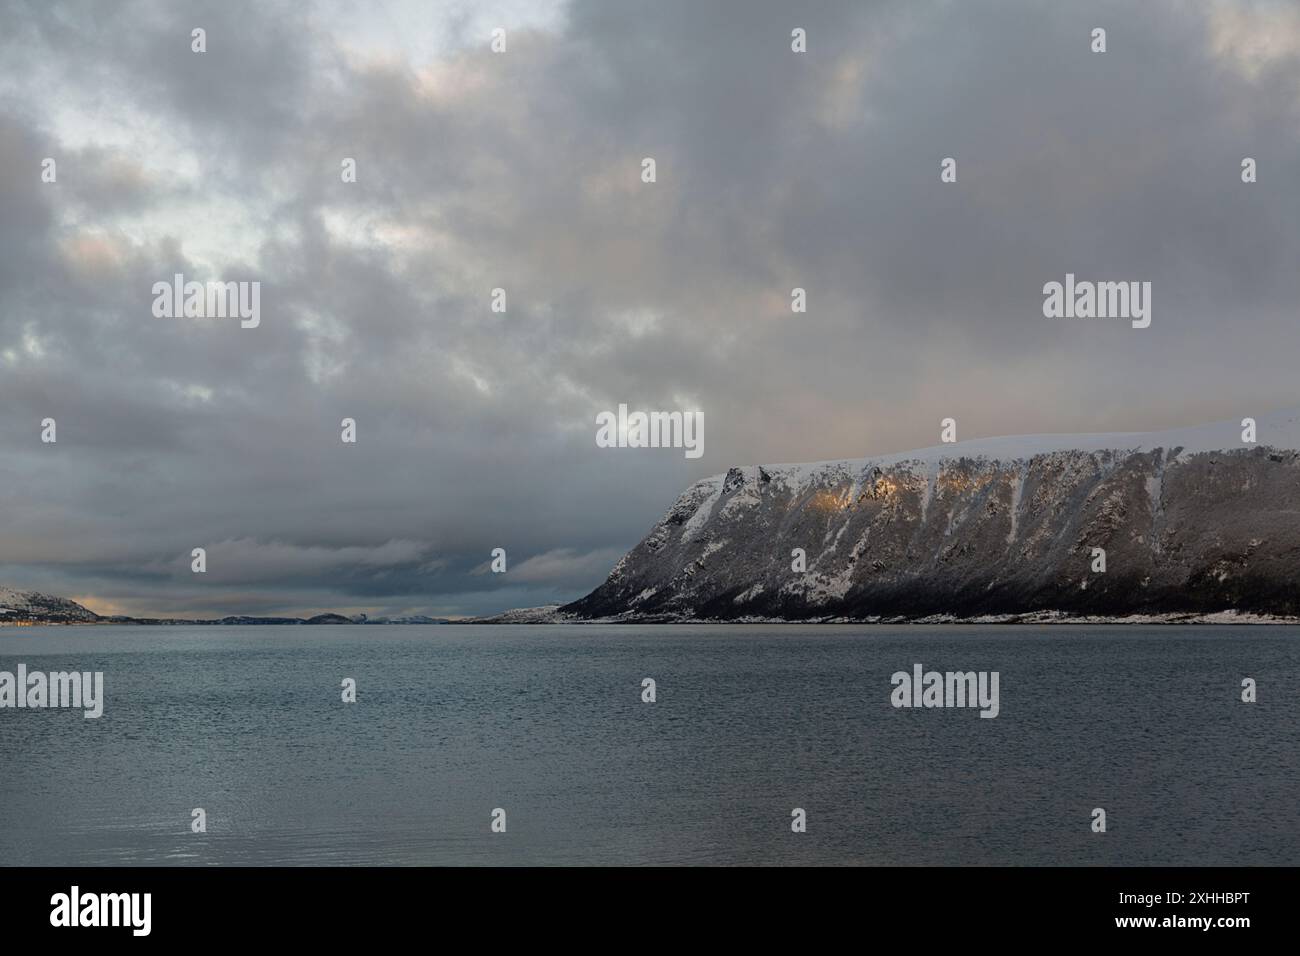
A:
750, 722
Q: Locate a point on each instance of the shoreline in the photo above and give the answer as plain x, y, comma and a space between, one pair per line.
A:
1035, 619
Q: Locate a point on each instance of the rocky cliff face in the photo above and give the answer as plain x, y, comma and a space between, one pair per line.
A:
1193, 521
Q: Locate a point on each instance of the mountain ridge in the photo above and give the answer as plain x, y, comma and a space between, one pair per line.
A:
1197, 524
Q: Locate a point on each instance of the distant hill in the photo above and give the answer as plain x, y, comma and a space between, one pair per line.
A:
19, 607
35, 607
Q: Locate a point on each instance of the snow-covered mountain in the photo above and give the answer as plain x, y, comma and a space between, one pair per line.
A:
1193, 521
33, 606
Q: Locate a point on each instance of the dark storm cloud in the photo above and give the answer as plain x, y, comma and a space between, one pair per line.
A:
476, 170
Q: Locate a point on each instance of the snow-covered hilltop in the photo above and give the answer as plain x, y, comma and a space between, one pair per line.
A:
16, 605
1193, 521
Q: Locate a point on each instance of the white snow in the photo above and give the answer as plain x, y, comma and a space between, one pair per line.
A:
1016, 491
705, 511
644, 595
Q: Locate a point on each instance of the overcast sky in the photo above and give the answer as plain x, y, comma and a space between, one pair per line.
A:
521, 170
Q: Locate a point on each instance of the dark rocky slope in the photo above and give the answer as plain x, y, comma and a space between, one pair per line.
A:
1192, 521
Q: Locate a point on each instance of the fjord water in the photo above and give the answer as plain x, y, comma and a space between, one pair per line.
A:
547, 722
